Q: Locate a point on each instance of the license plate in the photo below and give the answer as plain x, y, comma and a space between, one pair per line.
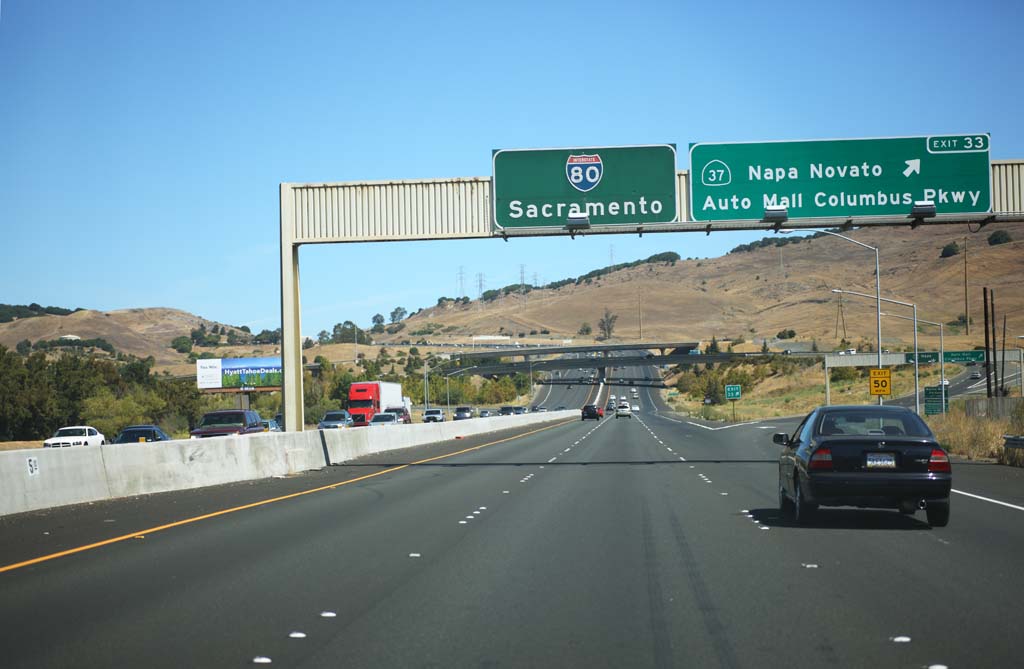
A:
881, 461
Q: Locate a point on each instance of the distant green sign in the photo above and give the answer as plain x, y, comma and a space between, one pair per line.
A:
732, 392
930, 357
934, 397
840, 178
611, 185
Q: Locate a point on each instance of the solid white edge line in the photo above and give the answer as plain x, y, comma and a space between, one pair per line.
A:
987, 499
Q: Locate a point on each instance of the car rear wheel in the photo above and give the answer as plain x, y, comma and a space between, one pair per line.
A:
938, 513
803, 510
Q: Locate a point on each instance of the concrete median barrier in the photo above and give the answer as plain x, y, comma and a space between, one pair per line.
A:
44, 478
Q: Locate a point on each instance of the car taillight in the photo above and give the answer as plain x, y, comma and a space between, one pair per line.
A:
822, 459
939, 461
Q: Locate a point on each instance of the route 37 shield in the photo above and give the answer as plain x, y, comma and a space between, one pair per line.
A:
584, 171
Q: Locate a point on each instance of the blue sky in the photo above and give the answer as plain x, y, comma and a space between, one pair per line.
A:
142, 143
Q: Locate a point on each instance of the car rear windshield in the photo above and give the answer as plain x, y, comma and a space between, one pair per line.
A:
867, 421
130, 436
212, 419
384, 418
335, 415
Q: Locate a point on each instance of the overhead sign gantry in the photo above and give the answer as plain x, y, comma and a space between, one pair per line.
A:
634, 189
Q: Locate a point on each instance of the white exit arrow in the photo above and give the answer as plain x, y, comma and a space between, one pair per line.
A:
913, 167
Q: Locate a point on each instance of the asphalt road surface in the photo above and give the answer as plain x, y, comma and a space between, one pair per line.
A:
645, 542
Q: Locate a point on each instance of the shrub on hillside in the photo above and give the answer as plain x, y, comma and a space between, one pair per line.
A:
999, 237
949, 250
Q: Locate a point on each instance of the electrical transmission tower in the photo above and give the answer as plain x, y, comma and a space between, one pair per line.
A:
462, 286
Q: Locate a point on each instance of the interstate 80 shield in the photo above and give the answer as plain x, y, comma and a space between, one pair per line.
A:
584, 171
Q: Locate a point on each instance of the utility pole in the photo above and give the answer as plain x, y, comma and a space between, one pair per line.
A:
995, 343
522, 279
988, 358
640, 313
967, 308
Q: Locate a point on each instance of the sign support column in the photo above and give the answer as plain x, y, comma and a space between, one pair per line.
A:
291, 339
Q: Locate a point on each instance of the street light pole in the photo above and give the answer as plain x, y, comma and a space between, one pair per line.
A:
917, 398
942, 351
878, 295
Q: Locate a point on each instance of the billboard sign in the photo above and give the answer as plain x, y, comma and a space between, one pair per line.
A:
238, 373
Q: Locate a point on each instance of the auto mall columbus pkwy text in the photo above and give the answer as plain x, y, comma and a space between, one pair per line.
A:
795, 200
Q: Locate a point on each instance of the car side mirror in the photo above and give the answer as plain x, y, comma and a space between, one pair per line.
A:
780, 438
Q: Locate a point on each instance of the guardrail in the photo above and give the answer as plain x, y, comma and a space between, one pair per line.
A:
45, 478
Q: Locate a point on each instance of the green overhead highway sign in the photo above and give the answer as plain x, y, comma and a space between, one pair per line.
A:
611, 185
840, 178
928, 357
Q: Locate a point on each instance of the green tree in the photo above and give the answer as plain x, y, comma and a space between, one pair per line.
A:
607, 324
110, 414
999, 237
585, 329
24, 347
182, 344
397, 314
949, 250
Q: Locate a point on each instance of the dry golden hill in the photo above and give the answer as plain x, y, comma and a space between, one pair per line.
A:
140, 332
755, 295
751, 296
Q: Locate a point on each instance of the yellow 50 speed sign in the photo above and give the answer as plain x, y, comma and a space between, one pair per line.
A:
881, 382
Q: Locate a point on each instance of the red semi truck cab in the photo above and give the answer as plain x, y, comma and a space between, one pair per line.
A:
368, 398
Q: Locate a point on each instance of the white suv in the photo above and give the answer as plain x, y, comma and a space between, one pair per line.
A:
433, 416
623, 410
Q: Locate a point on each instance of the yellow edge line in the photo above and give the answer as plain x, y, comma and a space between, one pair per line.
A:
159, 528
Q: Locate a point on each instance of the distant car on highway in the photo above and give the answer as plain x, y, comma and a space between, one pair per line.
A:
462, 413
519, 410
134, 434
590, 411
623, 411
227, 422
335, 420
635, 408
401, 413
270, 425
507, 411
433, 416
975, 375
75, 435
383, 419
485, 413
864, 456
